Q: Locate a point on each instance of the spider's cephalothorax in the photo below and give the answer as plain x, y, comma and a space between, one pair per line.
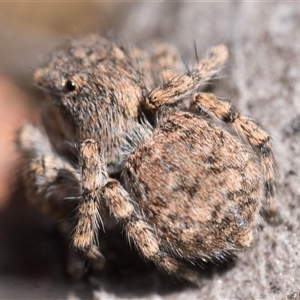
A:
187, 189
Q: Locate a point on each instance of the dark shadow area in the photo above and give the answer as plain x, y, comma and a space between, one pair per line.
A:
33, 253
29, 240
128, 275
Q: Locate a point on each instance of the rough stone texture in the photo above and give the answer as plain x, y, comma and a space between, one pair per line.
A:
263, 81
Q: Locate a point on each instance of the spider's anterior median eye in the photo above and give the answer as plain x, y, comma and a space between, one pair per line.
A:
70, 86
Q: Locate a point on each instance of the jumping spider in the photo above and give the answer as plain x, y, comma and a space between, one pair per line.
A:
183, 187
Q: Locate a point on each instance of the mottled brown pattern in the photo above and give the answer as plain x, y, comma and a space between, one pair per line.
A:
249, 131
182, 187
195, 186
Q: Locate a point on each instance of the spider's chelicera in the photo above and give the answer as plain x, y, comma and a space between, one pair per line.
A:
127, 136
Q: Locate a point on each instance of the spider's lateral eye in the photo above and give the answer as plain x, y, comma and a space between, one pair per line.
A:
70, 86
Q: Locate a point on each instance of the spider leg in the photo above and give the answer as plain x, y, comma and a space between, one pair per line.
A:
249, 131
93, 176
165, 61
140, 233
49, 180
178, 86
48, 177
99, 189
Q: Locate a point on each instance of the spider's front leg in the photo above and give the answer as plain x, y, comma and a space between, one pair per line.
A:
48, 178
98, 190
93, 176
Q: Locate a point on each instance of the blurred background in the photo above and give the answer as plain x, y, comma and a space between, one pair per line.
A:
262, 80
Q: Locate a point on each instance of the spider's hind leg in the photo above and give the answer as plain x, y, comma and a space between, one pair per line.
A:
178, 86
258, 139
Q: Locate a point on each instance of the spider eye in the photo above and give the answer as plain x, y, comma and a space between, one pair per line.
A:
70, 86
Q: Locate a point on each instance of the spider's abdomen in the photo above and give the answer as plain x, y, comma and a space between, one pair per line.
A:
197, 185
